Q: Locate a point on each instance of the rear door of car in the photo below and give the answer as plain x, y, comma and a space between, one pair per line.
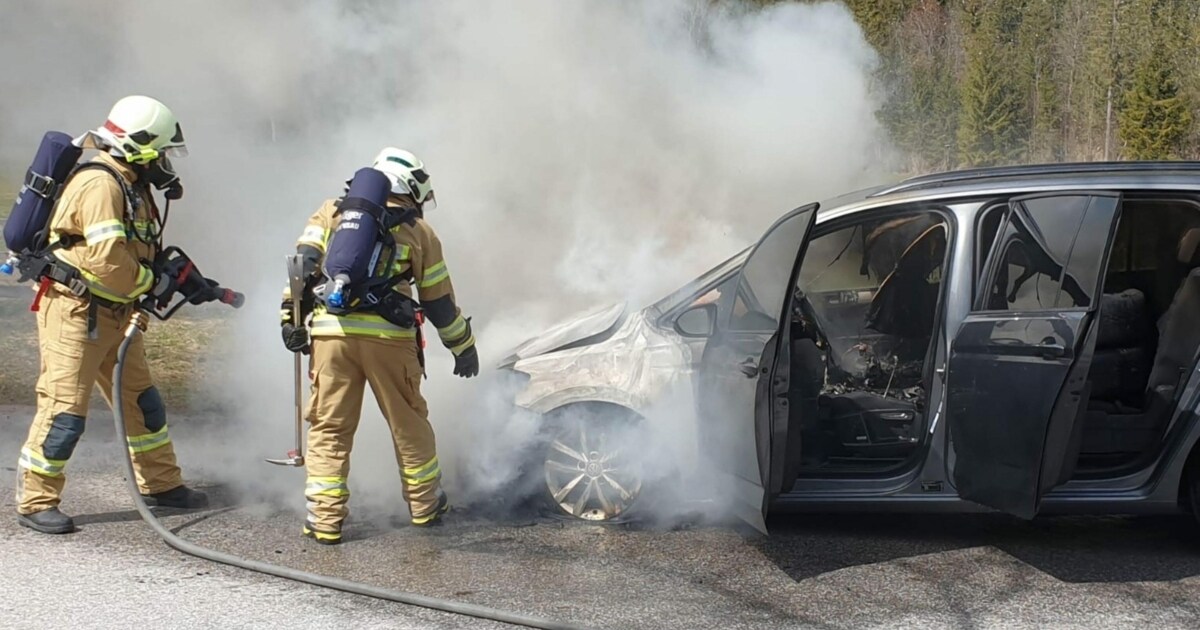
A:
1018, 365
743, 417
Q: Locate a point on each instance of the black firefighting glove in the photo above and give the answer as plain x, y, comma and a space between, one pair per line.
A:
295, 338
166, 284
466, 364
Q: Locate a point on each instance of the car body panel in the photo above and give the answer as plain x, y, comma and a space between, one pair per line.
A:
592, 325
634, 376
630, 368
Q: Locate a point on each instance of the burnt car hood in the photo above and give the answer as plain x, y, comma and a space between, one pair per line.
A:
591, 327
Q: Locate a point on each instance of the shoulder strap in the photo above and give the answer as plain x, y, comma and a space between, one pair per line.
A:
131, 200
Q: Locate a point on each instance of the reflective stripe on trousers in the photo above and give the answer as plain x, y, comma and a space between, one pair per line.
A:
422, 474
40, 465
326, 486
148, 442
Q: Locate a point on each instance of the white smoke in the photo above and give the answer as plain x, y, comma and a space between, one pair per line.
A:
582, 151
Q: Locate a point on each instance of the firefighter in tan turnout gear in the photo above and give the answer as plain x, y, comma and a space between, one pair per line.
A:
108, 221
352, 349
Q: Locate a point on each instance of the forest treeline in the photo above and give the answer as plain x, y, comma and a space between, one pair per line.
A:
990, 82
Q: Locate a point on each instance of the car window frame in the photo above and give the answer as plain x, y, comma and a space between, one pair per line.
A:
667, 320
724, 319
993, 260
939, 207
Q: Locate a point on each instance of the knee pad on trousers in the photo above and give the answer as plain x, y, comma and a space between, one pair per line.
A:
153, 410
64, 434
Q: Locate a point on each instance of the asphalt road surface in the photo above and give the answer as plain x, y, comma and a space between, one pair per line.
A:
813, 571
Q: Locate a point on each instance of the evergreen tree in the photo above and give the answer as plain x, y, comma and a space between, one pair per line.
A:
878, 18
1041, 71
1155, 118
993, 118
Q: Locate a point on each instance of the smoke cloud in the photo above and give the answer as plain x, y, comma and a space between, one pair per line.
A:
582, 152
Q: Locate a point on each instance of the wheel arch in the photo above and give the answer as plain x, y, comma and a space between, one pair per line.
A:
598, 397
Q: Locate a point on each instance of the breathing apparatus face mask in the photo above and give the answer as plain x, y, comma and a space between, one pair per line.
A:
161, 174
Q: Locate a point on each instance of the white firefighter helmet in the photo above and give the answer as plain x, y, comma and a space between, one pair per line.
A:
142, 129
407, 174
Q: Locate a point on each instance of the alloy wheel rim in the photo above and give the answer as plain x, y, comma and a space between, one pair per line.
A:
588, 477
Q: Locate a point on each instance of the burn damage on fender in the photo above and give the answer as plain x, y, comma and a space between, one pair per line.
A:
629, 367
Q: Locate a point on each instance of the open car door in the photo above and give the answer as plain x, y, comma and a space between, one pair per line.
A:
1019, 363
738, 383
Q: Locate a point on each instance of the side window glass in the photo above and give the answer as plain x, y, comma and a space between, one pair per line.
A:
1050, 253
763, 283
720, 296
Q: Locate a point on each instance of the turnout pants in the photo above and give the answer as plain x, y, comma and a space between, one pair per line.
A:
342, 366
71, 365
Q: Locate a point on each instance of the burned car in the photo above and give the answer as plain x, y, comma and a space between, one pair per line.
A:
1019, 339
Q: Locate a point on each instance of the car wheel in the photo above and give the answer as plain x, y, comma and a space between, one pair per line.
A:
590, 464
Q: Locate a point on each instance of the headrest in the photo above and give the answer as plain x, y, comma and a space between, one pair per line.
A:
1189, 247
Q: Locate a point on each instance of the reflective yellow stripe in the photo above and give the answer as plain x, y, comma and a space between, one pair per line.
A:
314, 235
422, 474
434, 275
357, 324
402, 259
148, 442
97, 233
326, 486
145, 280
40, 465
455, 329
462, 347
441, 508
309, 531
145, 229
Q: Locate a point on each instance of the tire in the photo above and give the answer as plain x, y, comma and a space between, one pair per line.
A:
590, 466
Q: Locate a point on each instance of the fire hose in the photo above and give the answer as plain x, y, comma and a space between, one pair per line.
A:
136, 324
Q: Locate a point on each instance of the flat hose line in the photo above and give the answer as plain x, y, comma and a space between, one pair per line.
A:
316, 579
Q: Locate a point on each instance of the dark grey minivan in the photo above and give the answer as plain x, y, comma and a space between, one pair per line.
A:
1022, 339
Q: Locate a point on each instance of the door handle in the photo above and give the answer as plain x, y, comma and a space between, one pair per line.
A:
749, 367
1051, 351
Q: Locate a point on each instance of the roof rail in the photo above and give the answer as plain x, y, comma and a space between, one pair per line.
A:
1061, 168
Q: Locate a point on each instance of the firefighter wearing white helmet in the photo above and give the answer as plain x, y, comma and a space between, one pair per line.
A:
353, 349
147, 135
108, 221
408, 176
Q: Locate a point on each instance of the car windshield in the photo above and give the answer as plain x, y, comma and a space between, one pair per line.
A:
689, 290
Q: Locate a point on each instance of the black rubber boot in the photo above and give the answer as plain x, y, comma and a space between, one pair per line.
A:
49, 521
323, 538
181, 497
435, 517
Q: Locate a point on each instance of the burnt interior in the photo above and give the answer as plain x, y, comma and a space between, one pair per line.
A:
861, 338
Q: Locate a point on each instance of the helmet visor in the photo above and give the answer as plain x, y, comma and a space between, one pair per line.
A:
175, 152
399, 186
